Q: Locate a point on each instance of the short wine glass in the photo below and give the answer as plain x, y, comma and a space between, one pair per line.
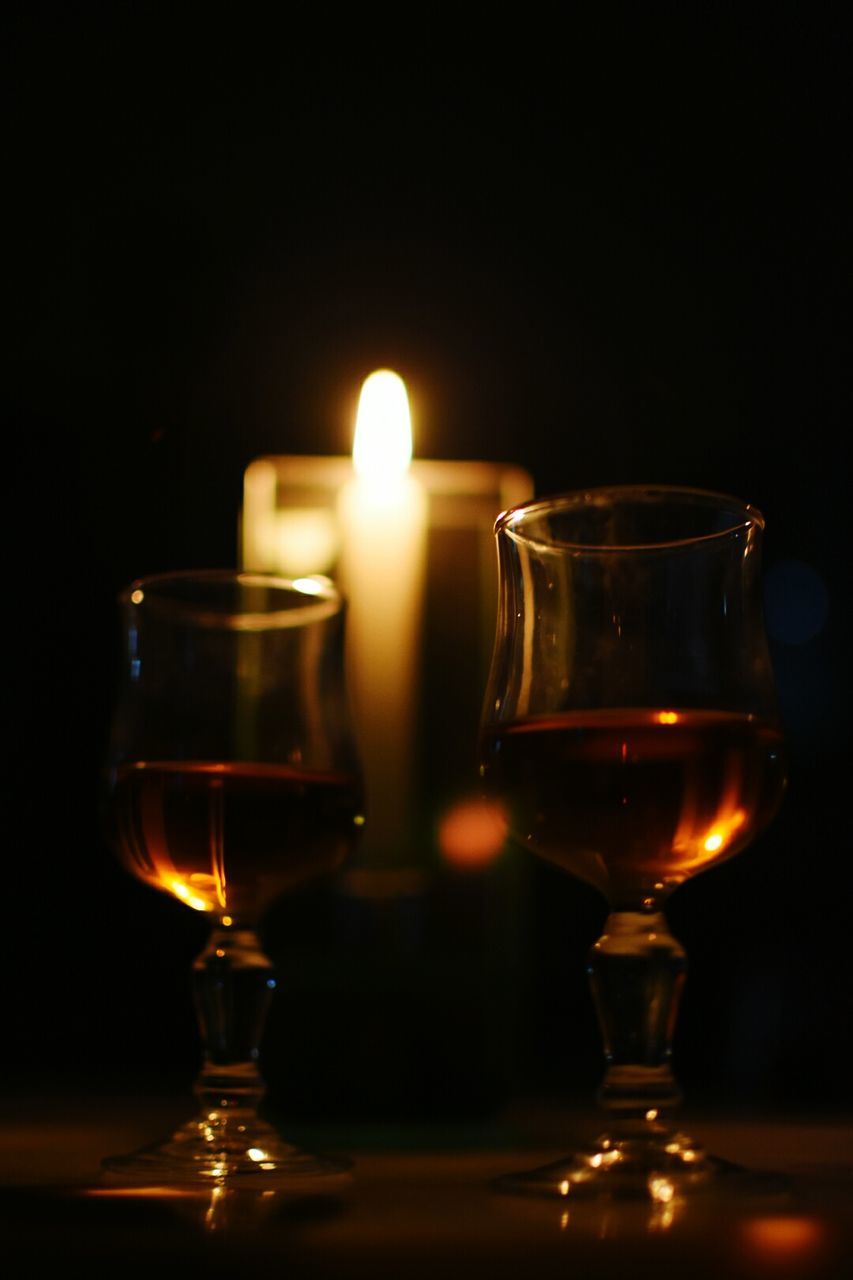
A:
232, 778
630, 730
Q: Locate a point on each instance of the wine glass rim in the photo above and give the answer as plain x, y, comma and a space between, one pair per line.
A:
321, 596
751, 517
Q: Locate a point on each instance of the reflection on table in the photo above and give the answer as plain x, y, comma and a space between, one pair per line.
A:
420, 1202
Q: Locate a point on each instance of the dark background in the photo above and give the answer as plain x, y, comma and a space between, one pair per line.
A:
611, 253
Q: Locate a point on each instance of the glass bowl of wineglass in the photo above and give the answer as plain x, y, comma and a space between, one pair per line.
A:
630, 730
233, 778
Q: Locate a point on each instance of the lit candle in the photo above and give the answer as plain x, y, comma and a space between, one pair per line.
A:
396, 535
383, 521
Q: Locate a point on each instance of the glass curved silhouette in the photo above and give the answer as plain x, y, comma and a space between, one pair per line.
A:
630, 730
232, 778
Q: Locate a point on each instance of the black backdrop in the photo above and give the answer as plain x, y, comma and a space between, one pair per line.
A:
611, 254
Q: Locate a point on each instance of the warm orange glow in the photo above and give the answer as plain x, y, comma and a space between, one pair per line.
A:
696, 838
776, 1237
137, 597
180, 890
472, 832
668, 717
163, 847
725, 826
146, 1193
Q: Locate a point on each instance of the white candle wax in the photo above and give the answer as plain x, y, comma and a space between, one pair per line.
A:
382, 574
383, 521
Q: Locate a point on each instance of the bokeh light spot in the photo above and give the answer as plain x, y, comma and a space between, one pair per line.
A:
472, 832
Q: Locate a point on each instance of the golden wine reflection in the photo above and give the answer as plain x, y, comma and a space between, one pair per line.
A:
661, 1189
158, 803
140, 1193
180, 890
220, 1207
775, 1240
226, 1202
602, 1213
605, 1217
634, 797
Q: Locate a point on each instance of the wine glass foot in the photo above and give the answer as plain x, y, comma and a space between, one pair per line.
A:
655, 1164
236, 1149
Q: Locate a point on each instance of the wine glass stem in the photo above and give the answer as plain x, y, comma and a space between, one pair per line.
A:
636, 972
233, 982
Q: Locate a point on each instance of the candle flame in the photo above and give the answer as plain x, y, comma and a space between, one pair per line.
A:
382, 446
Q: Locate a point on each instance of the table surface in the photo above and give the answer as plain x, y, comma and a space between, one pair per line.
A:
420, 1202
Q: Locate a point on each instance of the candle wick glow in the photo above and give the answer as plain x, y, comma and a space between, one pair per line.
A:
382, 445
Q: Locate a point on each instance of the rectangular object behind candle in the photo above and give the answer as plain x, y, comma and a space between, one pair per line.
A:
291, 524
406, 971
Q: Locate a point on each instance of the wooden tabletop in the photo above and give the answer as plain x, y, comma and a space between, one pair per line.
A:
420, 1203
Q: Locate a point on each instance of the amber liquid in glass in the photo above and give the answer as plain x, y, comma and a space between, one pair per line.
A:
229, 838
636, 800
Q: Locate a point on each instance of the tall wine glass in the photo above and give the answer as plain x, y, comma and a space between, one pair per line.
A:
233, 778
630, 729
